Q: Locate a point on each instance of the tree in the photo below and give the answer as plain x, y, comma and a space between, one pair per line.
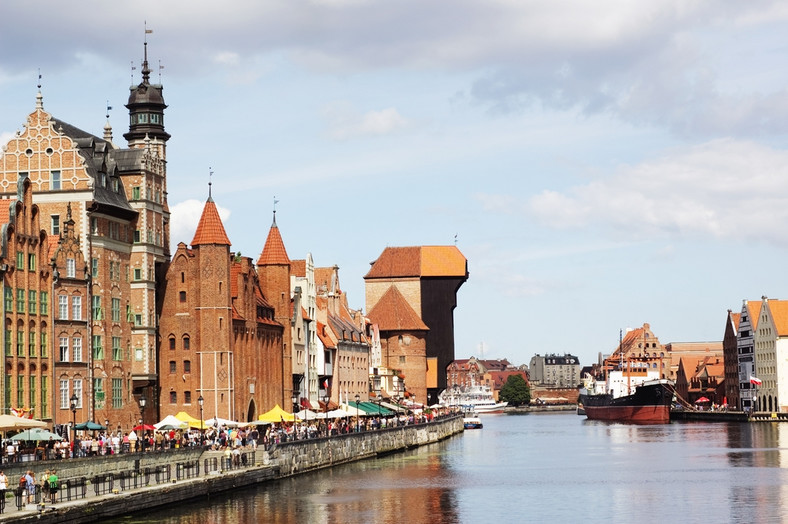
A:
516, 391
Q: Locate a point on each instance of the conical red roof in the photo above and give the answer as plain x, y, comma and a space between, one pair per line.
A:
210, 230
274, 252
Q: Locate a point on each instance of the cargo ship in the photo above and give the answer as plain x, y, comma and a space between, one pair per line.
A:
632, 393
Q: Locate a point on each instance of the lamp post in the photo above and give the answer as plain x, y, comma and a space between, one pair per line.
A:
200, 401
143, 401
380, 392
358, 418
73, 402
326, 398
294, 398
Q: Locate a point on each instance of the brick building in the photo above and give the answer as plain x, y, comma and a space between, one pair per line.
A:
428, 278
115, 201
27, 281
220, 338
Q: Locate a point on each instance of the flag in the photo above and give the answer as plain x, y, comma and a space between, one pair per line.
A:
325, 384
755, 381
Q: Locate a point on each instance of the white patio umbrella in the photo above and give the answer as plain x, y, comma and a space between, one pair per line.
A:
9, 422
308, 414
218, 421
171, 422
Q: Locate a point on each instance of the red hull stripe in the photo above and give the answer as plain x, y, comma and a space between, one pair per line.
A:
653, 414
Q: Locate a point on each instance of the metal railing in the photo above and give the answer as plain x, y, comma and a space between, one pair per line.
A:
187, 470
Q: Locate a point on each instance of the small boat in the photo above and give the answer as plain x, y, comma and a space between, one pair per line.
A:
471, 421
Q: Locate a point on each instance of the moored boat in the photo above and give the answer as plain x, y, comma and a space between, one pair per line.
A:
631, 393
471, 421
473, 398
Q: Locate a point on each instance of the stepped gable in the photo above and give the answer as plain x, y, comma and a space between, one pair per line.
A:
210, 230
419, 261
393, 313
274, 252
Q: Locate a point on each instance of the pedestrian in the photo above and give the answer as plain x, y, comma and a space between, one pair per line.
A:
54, 485
3, 484
30, 477
44, 484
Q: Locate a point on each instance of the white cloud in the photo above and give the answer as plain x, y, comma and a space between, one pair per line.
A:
184, 217
345, 122
725, 189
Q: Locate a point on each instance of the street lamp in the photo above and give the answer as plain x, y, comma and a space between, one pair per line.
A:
358, 418
106, 425
200, 401
294, 398
74, 400
143, 401
326, 398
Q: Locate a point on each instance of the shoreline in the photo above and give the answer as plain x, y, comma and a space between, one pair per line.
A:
280, 461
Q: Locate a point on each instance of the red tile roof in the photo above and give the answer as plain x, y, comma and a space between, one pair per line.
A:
210, 230
298, 268
779, 311
419, 261
393, 313
274, 252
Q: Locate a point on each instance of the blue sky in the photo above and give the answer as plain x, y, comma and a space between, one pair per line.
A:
602, 164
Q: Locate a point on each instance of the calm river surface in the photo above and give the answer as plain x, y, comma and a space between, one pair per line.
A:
535, 468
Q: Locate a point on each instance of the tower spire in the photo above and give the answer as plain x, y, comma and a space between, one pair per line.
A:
145, 68
210, 174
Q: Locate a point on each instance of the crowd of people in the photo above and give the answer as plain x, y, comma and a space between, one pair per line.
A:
96, 443
48, 483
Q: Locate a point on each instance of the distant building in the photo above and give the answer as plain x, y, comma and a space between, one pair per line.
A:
427, 278
745, 344
771, 345
562, 371
731, 359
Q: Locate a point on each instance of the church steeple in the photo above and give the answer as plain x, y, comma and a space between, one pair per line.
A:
146, 109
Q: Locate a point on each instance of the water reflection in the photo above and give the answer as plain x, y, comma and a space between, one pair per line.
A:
548, 468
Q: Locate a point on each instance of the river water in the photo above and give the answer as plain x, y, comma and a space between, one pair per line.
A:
535, 468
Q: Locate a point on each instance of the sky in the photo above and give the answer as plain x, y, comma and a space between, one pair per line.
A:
601, 165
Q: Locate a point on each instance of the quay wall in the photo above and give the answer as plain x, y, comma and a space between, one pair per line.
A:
727, 416
300, 456
280, 461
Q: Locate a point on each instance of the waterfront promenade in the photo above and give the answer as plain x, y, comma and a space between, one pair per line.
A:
93, 488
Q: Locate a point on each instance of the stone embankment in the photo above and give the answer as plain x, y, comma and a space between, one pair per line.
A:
174, 486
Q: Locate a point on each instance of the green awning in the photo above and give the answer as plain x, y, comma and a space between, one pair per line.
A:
372, 408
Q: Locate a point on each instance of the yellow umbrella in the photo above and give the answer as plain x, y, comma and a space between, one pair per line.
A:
193, 422
277, 415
